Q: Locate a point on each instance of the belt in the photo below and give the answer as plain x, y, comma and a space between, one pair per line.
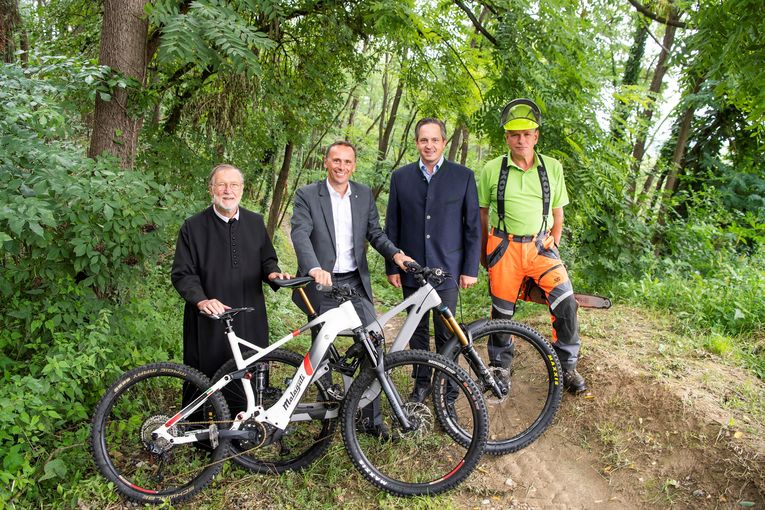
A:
518, 239
343, 275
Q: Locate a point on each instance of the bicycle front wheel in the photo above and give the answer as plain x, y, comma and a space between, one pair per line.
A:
152, 470
520, 417
423, 458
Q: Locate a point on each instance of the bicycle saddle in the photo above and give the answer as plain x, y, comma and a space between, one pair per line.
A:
227, 313
293, 283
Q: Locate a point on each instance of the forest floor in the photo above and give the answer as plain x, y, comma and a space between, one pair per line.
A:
660, 427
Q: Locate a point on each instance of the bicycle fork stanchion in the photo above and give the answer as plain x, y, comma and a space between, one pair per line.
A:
376, 358
497, 387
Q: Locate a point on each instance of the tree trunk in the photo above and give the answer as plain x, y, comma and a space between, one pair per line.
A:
24, 37
384, 142
677, 160
658, 77
352, 115
456, 142
631, 73
384, 107
9, 20
465, 145
123, 48
279, 188
266, 185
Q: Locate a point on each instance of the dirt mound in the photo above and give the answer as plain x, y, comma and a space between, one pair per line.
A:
656, 430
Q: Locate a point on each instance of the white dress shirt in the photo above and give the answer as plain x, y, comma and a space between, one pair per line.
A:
341, 215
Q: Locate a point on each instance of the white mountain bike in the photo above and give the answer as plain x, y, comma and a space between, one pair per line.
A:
521, 399
155, 449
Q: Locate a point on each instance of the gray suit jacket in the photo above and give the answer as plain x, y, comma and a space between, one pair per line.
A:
313, 232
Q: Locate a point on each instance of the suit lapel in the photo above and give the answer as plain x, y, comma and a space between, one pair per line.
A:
326, 208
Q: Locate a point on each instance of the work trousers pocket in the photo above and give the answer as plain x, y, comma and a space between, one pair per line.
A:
495, 248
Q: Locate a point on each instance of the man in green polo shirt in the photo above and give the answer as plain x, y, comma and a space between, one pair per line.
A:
521, 231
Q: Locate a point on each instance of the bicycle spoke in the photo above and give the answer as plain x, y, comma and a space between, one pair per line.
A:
146, 468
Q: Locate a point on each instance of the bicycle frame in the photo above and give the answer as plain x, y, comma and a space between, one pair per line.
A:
424, 299
421, 301
279, 415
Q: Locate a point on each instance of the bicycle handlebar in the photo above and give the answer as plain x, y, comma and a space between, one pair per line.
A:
339, 293
434, 275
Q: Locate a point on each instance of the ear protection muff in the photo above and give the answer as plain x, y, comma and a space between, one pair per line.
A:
534, 110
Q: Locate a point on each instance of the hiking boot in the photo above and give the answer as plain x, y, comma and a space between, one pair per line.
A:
574, 382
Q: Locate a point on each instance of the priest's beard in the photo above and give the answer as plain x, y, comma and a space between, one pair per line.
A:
225, 207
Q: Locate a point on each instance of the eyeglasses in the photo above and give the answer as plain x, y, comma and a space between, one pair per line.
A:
233, 186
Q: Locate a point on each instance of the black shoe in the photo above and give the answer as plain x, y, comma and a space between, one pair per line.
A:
380, 431
574, 382
420, 393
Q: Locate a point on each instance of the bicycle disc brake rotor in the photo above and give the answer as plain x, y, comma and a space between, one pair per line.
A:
153, 423
421, 417
501, 375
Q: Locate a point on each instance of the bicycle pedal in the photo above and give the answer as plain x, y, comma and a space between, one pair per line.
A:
213, 436
335, 392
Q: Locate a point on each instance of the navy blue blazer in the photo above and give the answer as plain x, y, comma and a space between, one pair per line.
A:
435, 223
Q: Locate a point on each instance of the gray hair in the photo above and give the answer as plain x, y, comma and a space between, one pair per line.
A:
219, 168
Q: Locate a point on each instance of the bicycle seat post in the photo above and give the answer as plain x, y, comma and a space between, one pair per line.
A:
229, 324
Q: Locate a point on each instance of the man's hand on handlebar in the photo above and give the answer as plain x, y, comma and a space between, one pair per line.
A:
321, 277
279, 276
400, 259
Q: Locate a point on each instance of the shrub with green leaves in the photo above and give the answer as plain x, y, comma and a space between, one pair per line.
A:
76, 235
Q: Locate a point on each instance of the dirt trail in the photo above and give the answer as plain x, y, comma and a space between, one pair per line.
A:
652, 432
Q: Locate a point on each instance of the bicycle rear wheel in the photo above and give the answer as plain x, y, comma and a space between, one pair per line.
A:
519, 418
149, 470
303, 441
424, 459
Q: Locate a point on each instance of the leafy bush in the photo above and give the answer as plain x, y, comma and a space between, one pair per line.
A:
76, 236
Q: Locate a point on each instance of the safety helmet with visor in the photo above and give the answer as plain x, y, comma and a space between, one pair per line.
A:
520, 114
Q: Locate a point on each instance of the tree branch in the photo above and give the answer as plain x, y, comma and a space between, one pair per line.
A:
645, 11
476, 23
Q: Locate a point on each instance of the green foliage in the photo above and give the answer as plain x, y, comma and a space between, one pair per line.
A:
76, 235
65, 214
211, 34
728, 39
727, 302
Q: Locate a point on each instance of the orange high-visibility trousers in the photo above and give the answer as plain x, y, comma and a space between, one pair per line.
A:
510, 259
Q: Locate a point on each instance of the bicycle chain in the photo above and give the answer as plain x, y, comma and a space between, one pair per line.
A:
204, 466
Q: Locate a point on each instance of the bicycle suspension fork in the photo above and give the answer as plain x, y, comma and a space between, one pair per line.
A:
498, 388
375, 356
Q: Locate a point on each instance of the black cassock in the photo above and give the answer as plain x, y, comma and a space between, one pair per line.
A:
228, 262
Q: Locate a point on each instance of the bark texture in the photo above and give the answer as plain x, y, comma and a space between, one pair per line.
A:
123, 48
